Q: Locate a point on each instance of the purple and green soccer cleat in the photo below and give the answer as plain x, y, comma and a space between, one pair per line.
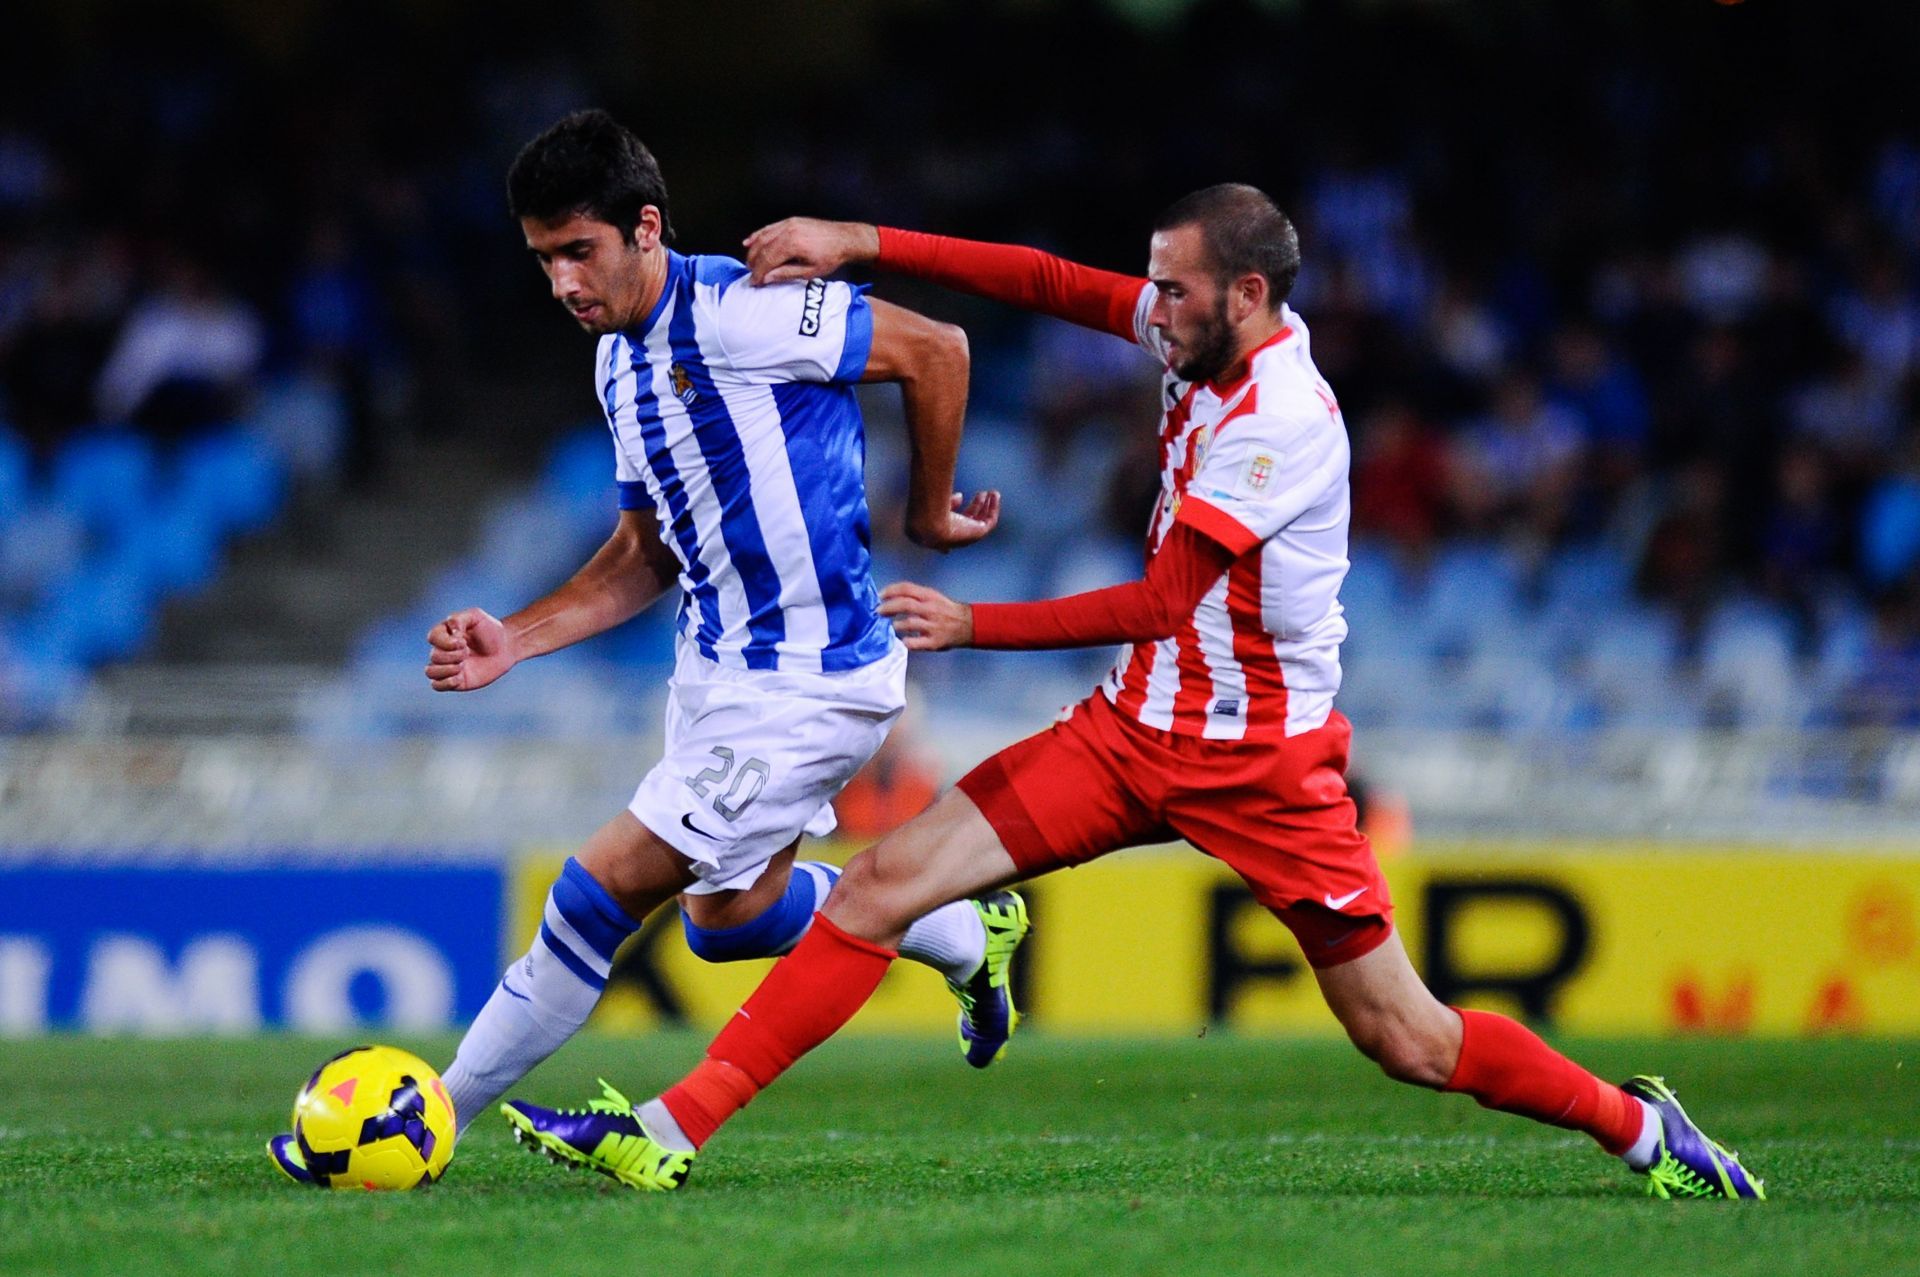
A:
606, 1136
1688, 1163
987, 1014
289, 1160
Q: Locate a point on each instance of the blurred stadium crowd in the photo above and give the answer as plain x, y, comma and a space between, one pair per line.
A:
1623, 308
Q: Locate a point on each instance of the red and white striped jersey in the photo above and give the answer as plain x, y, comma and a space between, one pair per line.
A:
1261, 467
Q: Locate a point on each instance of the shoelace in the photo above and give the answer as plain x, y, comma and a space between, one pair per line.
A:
1670, 1175
609, 1102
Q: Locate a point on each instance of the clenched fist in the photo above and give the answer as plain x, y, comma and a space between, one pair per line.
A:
467, 651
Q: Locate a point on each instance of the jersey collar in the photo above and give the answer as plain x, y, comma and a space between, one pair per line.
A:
1224, 390
677, 268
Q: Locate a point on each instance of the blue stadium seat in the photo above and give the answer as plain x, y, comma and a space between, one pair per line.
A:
43, 544
16, 476
106, 477
176, 548
1890, 530
580, 469
99, 613
1629, 662
1000, 454
532, 542
1092, 564
1472, 600
1373, 597
1059, 498
36, 677
303, 420
1581, 575
987, 575
395, 640
1747, 665
233, 477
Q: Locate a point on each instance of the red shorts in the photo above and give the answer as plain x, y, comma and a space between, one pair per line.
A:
1275, 810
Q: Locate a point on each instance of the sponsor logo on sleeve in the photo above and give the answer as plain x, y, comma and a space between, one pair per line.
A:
812, 306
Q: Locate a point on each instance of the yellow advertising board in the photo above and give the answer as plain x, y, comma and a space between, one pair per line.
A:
1626, 939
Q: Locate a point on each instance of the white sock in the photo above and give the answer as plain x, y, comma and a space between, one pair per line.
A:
1641, 1155
952, 940
515, 1031
661, 1125
542, 999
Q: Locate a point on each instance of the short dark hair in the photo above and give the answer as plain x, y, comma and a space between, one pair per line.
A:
1245, 232
588, 163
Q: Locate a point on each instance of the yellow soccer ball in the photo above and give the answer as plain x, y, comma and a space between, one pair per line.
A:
374, 1117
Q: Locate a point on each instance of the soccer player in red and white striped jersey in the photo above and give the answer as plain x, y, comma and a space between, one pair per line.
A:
1217, 725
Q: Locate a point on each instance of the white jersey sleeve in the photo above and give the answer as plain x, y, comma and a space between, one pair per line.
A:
1144, 333
812, 330
1265, 471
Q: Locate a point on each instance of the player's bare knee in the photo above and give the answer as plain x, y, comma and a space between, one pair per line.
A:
952, 341
867, 897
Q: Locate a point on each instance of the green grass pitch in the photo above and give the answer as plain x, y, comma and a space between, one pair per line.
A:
1209, 1155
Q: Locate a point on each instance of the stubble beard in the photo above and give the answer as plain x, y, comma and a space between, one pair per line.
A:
1210, 350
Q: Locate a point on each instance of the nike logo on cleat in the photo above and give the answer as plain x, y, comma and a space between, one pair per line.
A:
1337, 903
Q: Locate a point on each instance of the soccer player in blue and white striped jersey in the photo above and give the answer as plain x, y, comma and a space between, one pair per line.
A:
739, 450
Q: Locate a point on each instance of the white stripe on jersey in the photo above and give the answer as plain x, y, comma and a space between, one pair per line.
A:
1228, 678
1163, 684
625, 400
684, 448
776, 504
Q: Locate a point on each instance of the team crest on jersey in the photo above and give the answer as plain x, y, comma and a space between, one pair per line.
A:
682, 384
1259, 472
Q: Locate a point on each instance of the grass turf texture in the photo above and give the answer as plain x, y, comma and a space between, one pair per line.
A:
1217, 1155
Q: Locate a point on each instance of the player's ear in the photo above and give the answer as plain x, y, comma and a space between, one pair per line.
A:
646, 230
1250, 293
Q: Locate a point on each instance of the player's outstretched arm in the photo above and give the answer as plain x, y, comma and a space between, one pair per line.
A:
931, 362
1187, 566
471, 649
807, 247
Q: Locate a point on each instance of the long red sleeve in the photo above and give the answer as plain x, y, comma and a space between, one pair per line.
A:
1178, 577
1023, 277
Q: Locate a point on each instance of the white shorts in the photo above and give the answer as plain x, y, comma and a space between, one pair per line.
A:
755, 758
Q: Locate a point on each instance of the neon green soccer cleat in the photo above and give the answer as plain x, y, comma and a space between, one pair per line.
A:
289, 1160
987, 1014
1689, 1164
606, 1136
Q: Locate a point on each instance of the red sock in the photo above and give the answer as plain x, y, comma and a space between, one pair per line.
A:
1505, 1066
804, 1000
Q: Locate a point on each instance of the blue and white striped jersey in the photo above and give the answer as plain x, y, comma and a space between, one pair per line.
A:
733, 415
